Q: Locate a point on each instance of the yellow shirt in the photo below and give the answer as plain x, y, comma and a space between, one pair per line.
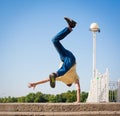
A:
70, 76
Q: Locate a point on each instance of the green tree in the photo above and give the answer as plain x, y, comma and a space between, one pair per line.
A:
39, 97
84, 96
113, 95
71, 96
21, 99
30, 97
9, 99
51, 98
58, 98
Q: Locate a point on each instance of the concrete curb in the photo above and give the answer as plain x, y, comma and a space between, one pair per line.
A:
59, 109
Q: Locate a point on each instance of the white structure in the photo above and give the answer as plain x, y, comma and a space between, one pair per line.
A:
99, 89
99, 84
118, 91
114, 91
94, 28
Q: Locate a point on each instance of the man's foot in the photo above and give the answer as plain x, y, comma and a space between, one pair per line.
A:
71, 23
52, 79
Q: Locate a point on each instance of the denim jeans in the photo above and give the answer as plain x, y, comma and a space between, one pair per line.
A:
66, 56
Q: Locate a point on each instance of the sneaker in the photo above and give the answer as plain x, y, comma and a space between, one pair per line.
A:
52, 79
70, 22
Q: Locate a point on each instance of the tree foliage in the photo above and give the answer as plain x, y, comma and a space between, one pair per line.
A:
69, 96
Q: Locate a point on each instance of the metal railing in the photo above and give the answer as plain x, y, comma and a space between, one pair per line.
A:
114, 91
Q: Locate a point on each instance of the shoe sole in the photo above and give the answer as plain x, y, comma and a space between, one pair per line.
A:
70, 22
52, 82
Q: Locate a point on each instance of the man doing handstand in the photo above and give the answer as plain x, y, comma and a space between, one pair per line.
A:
67, 72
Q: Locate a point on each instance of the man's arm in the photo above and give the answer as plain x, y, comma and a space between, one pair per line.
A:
77, 84
37, 83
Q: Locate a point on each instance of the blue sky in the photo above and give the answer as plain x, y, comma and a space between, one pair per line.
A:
26, 50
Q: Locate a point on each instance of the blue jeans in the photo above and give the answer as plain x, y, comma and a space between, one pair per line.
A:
66, 56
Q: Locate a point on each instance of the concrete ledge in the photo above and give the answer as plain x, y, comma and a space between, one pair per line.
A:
89, 113
59, 109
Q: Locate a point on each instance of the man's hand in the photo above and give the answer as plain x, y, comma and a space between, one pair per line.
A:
32, 85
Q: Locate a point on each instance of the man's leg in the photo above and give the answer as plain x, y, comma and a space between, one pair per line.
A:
56, 41
61, 35
65, 55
